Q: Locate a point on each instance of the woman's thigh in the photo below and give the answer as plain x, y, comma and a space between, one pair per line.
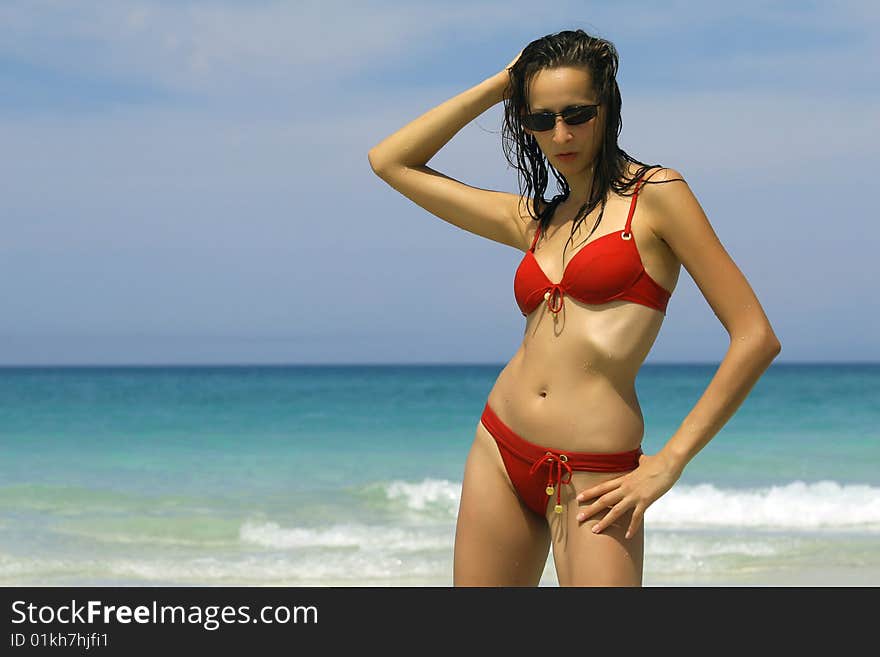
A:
583, 558
499, 541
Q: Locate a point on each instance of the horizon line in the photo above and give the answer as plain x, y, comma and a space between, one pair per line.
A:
382, 364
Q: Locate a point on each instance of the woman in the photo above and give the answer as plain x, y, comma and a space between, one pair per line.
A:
556, 459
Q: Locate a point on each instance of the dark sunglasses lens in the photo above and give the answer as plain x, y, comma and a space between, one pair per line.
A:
546, 121
539, 122
578, 115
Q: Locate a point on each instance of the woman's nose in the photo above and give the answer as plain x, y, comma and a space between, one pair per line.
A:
565, 129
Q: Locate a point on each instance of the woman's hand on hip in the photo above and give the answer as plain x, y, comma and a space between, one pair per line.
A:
635, 490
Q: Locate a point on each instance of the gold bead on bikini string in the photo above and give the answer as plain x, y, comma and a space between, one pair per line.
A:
558, 507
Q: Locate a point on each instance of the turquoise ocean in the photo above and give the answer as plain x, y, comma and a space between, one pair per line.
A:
351, 476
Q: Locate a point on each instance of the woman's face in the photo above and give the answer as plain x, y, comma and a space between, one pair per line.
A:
553, 90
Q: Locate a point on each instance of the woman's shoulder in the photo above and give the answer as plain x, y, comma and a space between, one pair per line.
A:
663, 195
531, 209
659, 174
653, 176
535, 206
660, 185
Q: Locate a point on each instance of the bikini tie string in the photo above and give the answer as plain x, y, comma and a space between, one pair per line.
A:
553, 297
557, 462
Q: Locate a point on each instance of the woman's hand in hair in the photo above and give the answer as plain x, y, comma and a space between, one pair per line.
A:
513, 61
503, 81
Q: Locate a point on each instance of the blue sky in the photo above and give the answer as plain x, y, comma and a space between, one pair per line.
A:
187, 182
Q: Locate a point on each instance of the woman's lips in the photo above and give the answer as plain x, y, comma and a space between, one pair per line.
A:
566, 156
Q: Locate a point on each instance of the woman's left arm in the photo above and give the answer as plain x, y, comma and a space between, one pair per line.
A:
678, 219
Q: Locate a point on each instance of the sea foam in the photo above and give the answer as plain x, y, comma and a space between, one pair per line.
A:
792, 506
798, 505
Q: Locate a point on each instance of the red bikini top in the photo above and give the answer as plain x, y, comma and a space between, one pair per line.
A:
606, 269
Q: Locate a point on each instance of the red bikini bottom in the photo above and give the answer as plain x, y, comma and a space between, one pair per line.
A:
523, 461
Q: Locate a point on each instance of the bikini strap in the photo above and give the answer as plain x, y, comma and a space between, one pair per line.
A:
535, 239
632, 209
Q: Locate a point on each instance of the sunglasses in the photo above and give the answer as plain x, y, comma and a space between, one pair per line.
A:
574, 115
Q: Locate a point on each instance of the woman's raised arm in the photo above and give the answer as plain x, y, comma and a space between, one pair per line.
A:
401, 160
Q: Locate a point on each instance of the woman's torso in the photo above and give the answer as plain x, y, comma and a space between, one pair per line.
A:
571, 384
